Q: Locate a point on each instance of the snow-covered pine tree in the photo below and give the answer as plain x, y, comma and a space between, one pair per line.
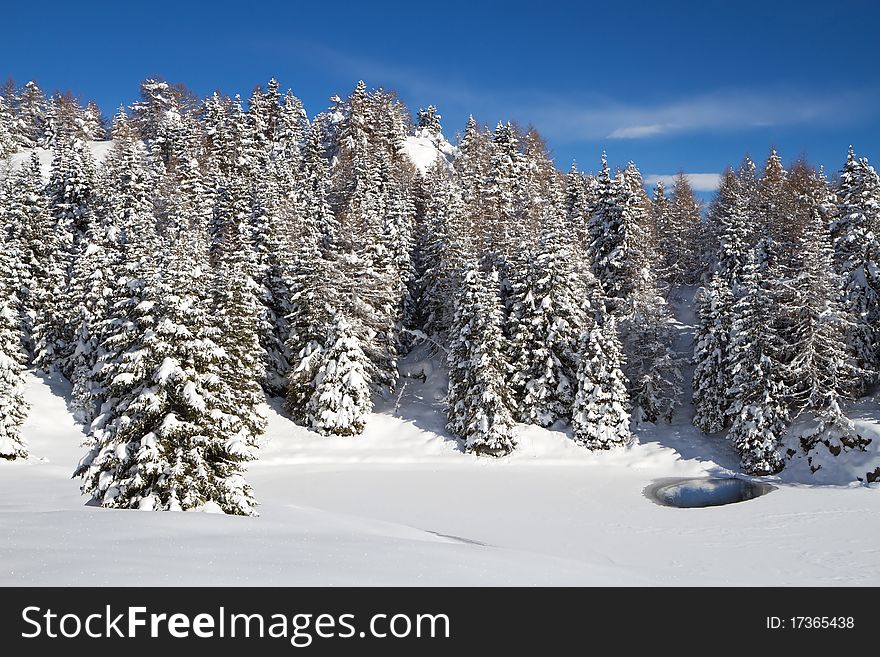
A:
175, 443
93, 123
503, 194
600, 419
660, 222
478, 400
340, 399
442, 253
550, 305
539, 186
42, 276
238, 317
368, 289
271, 219
759, 409
127, 214
621, 244
70, 191
13, 406
821, 364
856, 234
471, 170
712, 380
429, 122
8, 142
397, 240
653, 367
681, 236
732, 228
579, 201
90, 288
315, 275
31, 106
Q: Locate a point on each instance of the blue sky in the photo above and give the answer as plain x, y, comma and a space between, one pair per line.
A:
670, 85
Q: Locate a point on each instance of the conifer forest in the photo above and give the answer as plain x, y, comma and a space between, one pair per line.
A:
191, 258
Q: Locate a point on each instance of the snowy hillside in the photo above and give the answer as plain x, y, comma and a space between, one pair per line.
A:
403, 505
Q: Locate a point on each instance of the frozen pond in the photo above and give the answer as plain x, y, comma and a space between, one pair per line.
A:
704, 491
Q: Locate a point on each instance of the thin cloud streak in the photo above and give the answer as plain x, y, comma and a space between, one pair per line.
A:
716, 112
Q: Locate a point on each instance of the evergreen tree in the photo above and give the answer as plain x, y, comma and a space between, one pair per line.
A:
478, 400
855, 233
732, 225
31, 106
821, 365
442, 253
340, 400
236, 298
600, 419
175, 443
681, 234
621, 245
759, 410
8, 142
502, 192
548, 313
653, 367
70, 190
712, 381
429, 122
13, 407
42, 275
579, 202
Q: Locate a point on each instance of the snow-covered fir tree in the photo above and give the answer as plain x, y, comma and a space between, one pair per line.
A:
429, 122
821, 364
759, 408
30, 124
550, 304
712, 380
856, 234
680, 238
71, 202
441, 252
176, 442
478, 399
8, 142
621, 243
600, 417
42, 271
341, 398
235, 297
731, 224
580, 197
13, 406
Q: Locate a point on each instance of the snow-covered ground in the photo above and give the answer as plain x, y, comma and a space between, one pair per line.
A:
402, 505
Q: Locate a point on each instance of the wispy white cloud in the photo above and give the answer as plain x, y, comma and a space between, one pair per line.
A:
700, 182
637, 131
599, 118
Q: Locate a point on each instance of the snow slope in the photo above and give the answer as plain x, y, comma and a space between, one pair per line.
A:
403, 505
424, 149
98, 149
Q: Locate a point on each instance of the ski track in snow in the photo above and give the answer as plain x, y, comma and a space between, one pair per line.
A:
403, 505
